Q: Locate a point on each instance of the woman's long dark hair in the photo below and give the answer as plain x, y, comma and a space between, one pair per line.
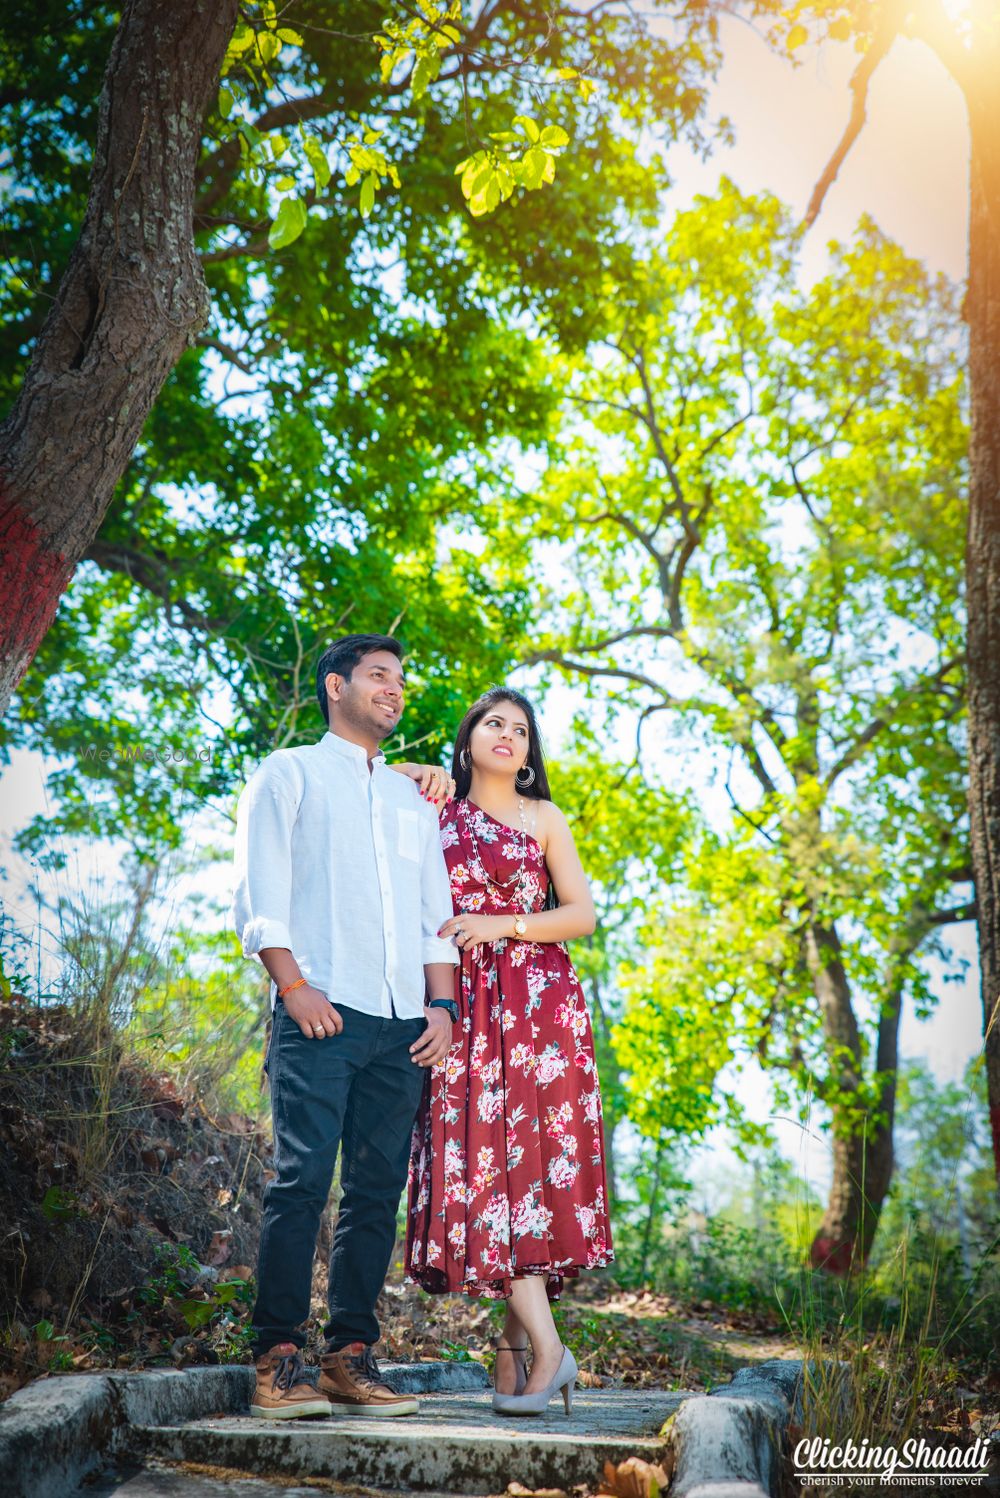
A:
539, 789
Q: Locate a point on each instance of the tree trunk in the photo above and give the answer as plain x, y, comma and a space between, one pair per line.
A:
132, 296
862, 1163
982, 312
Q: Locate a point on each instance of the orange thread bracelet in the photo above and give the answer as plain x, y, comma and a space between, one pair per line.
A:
297, 984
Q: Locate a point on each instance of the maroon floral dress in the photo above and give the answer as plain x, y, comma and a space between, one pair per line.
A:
506, 1170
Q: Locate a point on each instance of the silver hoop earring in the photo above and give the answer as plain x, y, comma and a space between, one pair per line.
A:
523, 784
463, 759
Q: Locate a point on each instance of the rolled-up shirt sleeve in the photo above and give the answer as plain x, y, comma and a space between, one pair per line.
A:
265, 817
435, 892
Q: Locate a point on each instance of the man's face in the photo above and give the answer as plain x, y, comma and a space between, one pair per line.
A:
372, 701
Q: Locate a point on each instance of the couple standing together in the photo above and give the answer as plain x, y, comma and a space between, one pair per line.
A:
428, 1023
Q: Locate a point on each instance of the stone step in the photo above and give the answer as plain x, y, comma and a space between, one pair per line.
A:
454, 1444
159, 1481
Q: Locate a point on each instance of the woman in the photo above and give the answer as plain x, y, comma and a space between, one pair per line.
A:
507, 1193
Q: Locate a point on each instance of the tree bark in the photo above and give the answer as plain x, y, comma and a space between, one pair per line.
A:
862, 1156
132, 297
982, 313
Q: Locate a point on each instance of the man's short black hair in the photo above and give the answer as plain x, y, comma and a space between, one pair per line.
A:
342, 657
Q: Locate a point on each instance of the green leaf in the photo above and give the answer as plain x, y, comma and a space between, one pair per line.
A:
538, 167
241, 39
367, 199
527, 126
477, 173
486, 200
554, 137
289, 37
288, 224
196, 1313
58, 1204
225, 103
426, 69
316, 157
268, 46
391, 60
285, 184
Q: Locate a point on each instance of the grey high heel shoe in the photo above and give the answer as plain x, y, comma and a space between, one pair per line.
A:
521, 1377
537, 1404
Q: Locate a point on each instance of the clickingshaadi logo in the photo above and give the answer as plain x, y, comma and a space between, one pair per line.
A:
915, 1464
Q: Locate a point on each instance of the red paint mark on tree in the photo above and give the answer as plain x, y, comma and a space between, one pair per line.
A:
995, 1131
836, 1257
33, 578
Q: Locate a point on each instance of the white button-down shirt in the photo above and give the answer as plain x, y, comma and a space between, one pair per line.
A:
345, 868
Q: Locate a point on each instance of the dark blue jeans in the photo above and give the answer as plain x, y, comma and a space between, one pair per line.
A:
358, 1090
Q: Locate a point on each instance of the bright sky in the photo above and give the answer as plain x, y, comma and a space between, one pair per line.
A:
910, 171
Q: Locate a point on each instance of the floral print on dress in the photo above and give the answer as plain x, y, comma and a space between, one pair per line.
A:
507, 1172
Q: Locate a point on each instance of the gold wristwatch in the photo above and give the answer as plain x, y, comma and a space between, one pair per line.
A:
520, 925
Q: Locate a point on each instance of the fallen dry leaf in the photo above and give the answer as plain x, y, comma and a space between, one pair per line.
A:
220, 1247
634, 1478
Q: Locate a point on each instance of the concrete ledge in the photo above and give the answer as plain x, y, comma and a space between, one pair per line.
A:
52, 1434
164, 1395
58, 1431
727, 1443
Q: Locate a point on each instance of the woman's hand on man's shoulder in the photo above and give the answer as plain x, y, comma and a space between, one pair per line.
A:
432, 781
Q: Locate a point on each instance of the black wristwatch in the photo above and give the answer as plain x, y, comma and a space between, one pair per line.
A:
448, 1004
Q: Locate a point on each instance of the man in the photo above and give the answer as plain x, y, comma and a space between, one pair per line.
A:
341, 888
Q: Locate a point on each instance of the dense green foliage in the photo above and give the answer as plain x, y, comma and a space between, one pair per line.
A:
333, 453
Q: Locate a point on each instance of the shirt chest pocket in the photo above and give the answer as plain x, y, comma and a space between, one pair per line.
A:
408, 844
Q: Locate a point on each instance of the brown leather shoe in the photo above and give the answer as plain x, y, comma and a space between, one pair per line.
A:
350, 1379
283, 1392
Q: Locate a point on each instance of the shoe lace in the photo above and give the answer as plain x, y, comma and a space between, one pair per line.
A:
288, 1371
365, 1367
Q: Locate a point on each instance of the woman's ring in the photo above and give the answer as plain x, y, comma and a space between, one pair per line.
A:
318, 1030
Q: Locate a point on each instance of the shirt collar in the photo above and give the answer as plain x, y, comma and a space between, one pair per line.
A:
347, 749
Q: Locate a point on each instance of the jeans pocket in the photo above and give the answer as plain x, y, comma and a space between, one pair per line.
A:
269, 1029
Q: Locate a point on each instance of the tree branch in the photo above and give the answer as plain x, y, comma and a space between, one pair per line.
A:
878, 723
154, 574
954, 915
886, 31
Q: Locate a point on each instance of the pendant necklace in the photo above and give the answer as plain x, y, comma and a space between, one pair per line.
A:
502, 885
